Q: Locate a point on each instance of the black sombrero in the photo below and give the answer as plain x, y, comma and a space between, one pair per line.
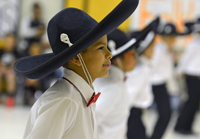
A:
193, 26
146, 36
169, 29
189, 26
119, 43
82, 31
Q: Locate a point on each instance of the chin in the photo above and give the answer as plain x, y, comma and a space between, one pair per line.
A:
104, 75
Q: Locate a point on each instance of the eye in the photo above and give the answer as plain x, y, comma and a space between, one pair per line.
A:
101, 48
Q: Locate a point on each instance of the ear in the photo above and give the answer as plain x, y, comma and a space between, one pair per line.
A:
75, 60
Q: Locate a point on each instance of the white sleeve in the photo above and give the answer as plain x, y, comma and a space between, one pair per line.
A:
185, 58
107, 101
136, 82
25, 30
53, 120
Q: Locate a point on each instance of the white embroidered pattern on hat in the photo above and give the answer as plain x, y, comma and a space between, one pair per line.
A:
168, 29
64, 38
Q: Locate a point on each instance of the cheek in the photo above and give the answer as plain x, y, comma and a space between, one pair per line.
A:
132, 63
129, 63
95, 61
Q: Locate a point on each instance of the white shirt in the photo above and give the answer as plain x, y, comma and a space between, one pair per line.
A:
190, 60
61, 112
162, 64
112, 109
138, 84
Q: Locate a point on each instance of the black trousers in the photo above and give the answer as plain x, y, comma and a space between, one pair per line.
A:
136, 129
162, 101
191, 106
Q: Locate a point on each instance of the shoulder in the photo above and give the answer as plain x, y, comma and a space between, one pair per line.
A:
113, 90
106, 83
61, 90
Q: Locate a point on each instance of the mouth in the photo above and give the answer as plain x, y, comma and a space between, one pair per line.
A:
107, 65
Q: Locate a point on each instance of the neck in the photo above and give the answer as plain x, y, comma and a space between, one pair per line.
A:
80, 72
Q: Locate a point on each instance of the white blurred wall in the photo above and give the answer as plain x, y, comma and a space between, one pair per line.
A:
171, 10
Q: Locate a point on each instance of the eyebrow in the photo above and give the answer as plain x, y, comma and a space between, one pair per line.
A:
101, 43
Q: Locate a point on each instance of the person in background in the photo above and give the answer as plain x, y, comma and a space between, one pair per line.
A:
8, 55
112, 108
138, 82
189, 68
162, 72
34, 88
31, 86
31, 30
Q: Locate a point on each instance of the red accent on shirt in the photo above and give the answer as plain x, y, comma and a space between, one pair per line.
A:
94, 97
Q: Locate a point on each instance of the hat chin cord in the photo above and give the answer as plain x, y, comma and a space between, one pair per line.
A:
85, 70
64, 38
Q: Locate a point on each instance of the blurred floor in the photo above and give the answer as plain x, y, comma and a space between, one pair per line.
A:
150, 116
13, 121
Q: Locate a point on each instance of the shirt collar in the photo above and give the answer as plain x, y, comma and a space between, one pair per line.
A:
117, 72
80, 83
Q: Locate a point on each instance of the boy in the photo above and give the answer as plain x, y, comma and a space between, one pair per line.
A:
162, 71
138, 82
112, 108
66, 109
189, 68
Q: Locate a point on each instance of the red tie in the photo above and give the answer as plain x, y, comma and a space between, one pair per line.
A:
93, 99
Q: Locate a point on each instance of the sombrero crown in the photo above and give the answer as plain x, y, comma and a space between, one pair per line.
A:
72, 22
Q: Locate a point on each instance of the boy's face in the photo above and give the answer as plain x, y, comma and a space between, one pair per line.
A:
35, 49
129, 60
97, 58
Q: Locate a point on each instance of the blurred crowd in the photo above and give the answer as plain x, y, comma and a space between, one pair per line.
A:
28, 41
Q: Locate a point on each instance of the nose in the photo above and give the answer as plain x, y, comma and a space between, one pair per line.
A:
108, 54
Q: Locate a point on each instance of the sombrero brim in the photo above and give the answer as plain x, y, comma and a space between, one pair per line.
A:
135, 41
148, 36
149, 30
35, 67
174, 33
192, 26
